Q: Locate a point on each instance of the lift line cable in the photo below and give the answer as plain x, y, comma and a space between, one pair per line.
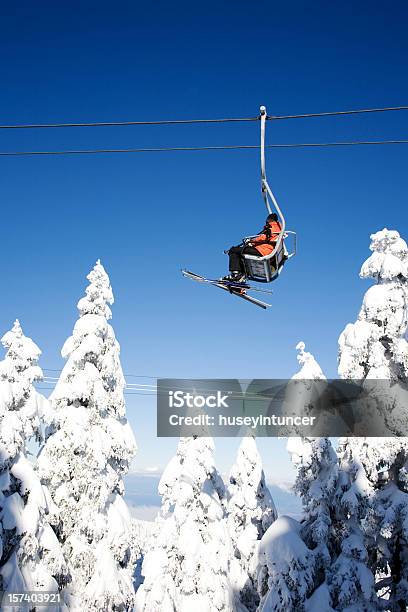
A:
337, 113
125, 392
206, 148
131, 389
53, 381
256, 397
152, 390
135, 386
25, 126
127, 375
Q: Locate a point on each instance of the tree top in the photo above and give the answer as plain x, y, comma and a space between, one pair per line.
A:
18, 346
98, 293
389, 259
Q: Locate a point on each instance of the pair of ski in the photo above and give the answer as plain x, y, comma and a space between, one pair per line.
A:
237, 289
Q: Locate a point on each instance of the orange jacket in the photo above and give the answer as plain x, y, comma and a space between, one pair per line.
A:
264, 245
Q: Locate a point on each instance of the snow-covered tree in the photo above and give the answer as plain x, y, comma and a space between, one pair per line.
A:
351, 581
317, 472
88, 450
30, 554
251, 512
375, 347
285, 568
187, 568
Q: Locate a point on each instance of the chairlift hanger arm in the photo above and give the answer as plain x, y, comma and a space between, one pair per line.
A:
266, 268
267, 193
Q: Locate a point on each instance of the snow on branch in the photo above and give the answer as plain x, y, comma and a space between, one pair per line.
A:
88, 451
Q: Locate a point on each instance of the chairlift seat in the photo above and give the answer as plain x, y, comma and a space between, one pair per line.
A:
266, 268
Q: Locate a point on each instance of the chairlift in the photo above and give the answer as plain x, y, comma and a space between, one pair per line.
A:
262, 268
265, 269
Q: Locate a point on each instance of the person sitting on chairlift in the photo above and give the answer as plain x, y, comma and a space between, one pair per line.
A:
261, 245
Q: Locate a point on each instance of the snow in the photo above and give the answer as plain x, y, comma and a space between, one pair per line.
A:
12, 513
88, 450
143, 531
282, 543
251, 511
364, 345
284, 568
317, 474
29, 564
375, 347
350, 580
64, 523
310, 369
319, 601
389, 258
187, 567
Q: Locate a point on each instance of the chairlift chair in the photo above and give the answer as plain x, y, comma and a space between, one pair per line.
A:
261, 269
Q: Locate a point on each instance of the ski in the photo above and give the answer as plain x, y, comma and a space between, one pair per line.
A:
232, 284
245, 296
237, 289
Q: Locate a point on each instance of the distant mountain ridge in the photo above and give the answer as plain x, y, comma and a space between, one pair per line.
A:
144, 501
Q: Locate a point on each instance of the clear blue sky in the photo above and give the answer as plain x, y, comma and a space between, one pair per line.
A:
148, 215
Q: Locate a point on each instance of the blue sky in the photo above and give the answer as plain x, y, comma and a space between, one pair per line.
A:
148, 215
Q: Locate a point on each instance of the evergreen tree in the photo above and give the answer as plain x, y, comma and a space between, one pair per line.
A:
250, 511
375, 347
351, 581
30, 555
187, 567
317, 472
285, 568
87, 452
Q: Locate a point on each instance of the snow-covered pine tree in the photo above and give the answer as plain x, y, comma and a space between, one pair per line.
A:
88, 450
285, 568
251, 512
187, 568
351, 581
317, 472
30, 554
375, 347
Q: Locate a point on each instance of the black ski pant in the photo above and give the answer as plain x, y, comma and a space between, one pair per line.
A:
235, 253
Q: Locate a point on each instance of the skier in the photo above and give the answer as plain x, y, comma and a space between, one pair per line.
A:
262, 244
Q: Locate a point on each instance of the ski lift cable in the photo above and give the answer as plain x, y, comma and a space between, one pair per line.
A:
152, 393
24, 126
202, 121
54, 379
152, 389
128, 375
337, 113
132, 386
205, 148
256, 396
125, 392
